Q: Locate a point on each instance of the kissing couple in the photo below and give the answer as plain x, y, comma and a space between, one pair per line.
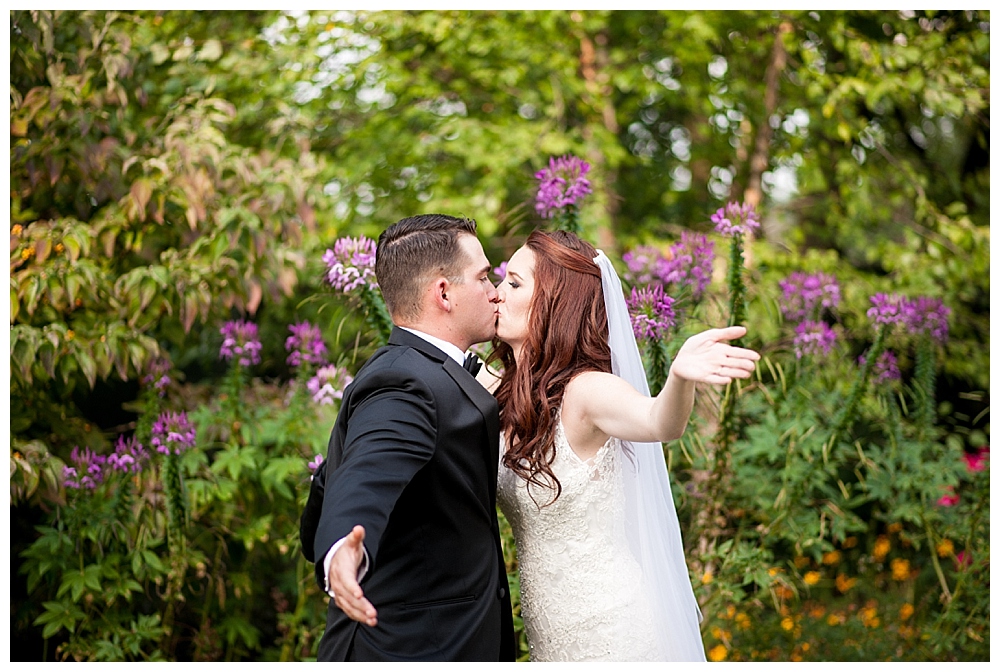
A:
401, 522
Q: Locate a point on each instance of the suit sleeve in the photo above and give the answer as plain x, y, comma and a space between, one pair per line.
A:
391, 435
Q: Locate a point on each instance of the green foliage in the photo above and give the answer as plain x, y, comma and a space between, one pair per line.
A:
171, 170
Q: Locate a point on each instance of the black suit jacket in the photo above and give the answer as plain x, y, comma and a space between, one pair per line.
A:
413, 458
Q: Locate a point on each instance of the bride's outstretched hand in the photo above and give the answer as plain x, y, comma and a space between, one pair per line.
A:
708, 358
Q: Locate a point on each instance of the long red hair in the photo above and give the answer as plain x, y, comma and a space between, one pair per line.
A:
567, 335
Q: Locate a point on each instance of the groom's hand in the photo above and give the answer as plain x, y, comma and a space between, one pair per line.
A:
343, 579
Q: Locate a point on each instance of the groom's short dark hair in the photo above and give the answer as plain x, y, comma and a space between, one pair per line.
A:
415, 250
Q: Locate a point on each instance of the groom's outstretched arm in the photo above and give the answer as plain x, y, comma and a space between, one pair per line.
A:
343, 579
390, 435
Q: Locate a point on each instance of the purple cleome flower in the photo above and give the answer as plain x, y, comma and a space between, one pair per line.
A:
643, 265
689, 263
239, 339
927, 315
886, 367
328, 384
813, 338
804, 295
129, 455
173, 432
736, 219
156, 375
562, 184
652, 312
886, 309
87, 472
305, 344
501, 270
351, 264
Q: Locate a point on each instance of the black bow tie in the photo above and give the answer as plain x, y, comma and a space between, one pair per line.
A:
472, 364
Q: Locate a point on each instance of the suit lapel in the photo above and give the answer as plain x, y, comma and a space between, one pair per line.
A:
471, 387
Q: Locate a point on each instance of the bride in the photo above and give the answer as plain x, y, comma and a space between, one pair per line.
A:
582, 478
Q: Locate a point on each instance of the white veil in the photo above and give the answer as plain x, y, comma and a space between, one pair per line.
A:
654, 535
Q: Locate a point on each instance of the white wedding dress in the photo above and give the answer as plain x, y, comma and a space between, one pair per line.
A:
582, 592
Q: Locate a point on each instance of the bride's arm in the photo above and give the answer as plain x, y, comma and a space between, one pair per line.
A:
617, 409
488, 378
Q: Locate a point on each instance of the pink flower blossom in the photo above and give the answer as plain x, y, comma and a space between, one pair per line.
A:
887, 308
813, 338
328, 384
689, 263
239, 340
351, 264
561, 185
977, 461
652, 312
305, 344
950, 498
736, 219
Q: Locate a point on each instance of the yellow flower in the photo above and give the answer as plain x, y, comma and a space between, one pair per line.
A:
905, 611
831, 558
850, 542
730, 612
796, 658
16, 230
706, 578
835, 619
26, 253
811, 578
869, 617
844, 584
945, 548
900, 569
801, 561
882, 547
70, 335
895, 527
818, 611
805, 646
784, 593
905, 631
787, 623
742, 621
59, 248
774, 571
717, 654
716, 632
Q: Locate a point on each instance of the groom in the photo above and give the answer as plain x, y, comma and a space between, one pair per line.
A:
408, 542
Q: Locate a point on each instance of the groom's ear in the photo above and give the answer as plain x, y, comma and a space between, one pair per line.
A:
439, 292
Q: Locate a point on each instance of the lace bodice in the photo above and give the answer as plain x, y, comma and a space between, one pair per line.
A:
581, 590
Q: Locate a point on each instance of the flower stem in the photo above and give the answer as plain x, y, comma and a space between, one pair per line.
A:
737, 286
175, 498
924, 375
846, 415
936, 563
376, 313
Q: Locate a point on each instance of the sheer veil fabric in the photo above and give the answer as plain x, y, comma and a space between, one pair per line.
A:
653, 532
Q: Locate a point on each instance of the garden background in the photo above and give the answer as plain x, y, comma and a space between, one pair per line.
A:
192, 200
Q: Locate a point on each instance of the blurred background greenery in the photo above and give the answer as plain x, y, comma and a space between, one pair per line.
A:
174, 170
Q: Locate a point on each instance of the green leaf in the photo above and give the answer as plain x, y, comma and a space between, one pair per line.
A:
87, 366
24, 342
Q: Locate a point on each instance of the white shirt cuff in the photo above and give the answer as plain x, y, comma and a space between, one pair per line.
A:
362, 570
